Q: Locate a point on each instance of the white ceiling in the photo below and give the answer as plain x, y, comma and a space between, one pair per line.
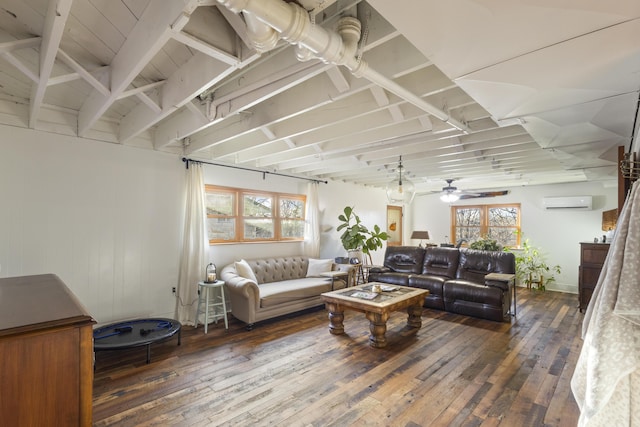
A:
544, 91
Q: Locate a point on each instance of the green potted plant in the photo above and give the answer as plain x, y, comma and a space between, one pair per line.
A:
357, 236
486, 244
532, 267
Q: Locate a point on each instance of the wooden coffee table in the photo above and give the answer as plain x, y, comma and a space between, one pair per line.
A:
377, 310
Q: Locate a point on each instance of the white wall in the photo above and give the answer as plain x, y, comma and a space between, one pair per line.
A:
557, 232
105, 218
369, 203
108, 219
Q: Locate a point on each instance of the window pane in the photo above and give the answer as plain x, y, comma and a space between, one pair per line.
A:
471, 234
258, 229
496, 222
258, 206
468, 217
221, 228
220, 204
291, 208
292, 228
504, 236
503, 216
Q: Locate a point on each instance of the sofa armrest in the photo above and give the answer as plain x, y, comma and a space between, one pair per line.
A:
244, 295
244, 288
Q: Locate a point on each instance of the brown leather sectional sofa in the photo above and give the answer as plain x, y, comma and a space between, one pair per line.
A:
454, 277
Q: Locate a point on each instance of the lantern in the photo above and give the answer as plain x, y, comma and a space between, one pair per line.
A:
211, 273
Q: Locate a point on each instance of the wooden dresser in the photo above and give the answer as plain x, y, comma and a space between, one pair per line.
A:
46, 354
592, 256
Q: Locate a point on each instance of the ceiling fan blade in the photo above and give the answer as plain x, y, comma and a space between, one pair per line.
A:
484, 194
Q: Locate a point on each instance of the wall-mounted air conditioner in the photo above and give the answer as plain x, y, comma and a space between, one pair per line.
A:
568, 202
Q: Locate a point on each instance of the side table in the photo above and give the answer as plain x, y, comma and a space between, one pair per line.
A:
334, 274
211, 303
366, 268
510, 280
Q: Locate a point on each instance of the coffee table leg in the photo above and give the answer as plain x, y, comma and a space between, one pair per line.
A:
336, 317
148, 353
378, 328
414, 319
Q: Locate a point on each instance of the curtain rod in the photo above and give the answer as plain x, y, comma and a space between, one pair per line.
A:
263, 172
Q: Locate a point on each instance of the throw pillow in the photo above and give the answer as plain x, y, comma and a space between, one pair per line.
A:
318, 266
244, 270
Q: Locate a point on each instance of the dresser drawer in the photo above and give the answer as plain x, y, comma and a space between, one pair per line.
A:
592, 258
594, 254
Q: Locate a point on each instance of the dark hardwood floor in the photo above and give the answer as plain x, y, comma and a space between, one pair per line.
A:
456, 371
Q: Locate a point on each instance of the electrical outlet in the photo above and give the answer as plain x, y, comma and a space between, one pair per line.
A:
173, 290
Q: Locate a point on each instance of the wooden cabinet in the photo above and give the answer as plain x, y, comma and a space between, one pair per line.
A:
46, 354
592, 256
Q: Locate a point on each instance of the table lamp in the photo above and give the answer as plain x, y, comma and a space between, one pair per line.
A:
422, 235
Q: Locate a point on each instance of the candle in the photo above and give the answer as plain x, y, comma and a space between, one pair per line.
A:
211, 277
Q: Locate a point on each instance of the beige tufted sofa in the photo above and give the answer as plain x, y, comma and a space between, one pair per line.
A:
282, 288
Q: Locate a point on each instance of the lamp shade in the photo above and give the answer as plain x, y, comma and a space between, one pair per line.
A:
420, 235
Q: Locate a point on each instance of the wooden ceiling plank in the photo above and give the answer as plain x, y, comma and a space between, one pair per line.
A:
237, 23
244, 101
86, 75
57, 14
20, 44
156, 25
338, 79
251, 88
11, 58
149, 102
145, 88
205, 48
197, 75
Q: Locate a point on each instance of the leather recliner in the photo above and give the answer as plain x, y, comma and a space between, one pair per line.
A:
454, 277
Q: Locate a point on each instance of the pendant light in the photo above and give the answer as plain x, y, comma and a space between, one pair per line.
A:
400, 190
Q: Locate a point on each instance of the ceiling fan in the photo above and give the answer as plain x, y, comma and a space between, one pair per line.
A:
451, 194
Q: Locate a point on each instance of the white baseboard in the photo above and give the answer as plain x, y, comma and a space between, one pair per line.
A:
560, 287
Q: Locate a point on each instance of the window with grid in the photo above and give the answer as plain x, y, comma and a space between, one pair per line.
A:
498, 222
239, 215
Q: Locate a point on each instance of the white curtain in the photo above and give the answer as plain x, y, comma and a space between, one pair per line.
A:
312, 226
195, 246
606, 381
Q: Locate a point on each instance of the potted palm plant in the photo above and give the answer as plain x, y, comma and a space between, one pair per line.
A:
357, 237
532, 267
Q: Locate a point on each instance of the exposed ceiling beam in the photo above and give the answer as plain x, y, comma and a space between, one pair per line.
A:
87, 76
57, 14
20, 44
159, 21
198, 74
13, 60
206, 48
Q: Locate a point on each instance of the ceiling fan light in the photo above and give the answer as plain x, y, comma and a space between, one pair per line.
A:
449, 197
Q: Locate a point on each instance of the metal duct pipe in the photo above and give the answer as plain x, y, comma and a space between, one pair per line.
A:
294, 26
263, 37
